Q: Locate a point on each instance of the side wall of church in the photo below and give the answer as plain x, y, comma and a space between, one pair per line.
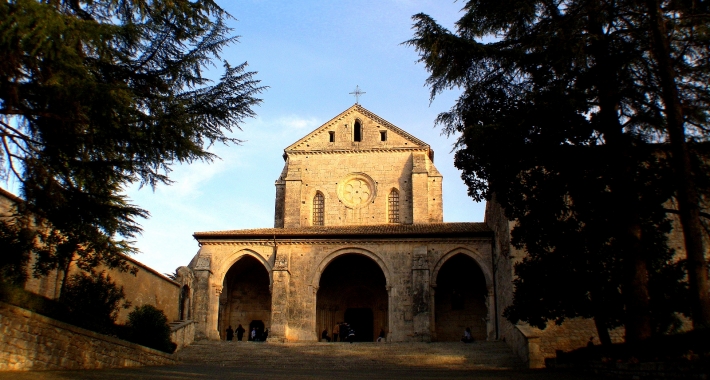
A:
531, 344
410, 269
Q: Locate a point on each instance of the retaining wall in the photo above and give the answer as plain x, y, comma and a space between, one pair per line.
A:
29, 341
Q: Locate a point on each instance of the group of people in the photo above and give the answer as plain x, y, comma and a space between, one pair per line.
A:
254, 335
345, 333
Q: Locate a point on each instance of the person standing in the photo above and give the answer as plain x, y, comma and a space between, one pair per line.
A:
230, 333
240, 332
336, 332
253, 334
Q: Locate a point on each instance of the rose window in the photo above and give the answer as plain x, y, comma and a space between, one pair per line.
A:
356, 190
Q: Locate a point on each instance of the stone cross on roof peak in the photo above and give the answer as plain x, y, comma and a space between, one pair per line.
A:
357, 94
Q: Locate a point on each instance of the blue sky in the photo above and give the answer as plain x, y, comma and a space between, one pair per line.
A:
311, 54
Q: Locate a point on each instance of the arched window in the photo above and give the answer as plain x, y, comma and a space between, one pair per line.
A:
357, 131
393, 207
318, 206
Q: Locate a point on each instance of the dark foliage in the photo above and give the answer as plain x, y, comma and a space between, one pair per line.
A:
93, 301
562, 118
149, 327
96, 95
16, 242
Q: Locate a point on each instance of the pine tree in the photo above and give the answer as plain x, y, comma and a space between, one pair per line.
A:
562, 118
96, 95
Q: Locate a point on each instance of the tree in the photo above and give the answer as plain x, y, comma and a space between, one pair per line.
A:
96, 95
681, 48
93, 301
561, 118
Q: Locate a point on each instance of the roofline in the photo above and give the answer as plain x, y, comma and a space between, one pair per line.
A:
200, 236
10, 195
368, 113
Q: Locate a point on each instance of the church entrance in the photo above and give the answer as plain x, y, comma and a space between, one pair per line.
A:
460, 300
353, 290
245, 297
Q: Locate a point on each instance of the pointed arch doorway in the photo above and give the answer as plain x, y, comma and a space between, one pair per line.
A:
352, 289
245, 298
460, 300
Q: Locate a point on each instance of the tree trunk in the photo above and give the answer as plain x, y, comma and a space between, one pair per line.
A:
602, 330
686, 193
635, 289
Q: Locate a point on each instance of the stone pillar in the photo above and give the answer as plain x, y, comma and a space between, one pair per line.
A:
420, 189
279, 299
421, 296
292, 196
279, 211
202, 294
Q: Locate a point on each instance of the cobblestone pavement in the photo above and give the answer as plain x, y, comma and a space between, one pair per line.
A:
247, 360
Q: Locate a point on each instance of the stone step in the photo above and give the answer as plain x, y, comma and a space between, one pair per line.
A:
454, 355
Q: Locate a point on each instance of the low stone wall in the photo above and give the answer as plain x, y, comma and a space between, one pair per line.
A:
182, 333
29, 341
526, 344
533, 345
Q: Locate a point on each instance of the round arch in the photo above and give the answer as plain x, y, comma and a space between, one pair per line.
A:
237, 255
244, 295
351, 290
475, 255
353, 250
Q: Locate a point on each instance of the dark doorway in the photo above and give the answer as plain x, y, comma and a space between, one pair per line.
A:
352, 289
259, 326
185, 303
361, 320
245, 295
460, 300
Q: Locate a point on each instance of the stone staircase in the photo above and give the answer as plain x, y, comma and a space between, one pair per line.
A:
345, 356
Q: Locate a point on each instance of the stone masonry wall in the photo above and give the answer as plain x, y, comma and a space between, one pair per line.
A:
147, 286
297, 267
29, 341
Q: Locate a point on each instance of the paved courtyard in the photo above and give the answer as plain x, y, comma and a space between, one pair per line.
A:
247, 360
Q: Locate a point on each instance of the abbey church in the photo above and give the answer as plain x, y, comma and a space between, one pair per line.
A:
358, 237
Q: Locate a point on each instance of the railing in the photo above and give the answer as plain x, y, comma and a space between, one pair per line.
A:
182, 333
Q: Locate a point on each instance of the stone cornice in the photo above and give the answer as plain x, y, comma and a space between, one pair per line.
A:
350, 151
270, 242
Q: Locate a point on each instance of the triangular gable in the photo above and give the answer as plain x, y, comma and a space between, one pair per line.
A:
373, 125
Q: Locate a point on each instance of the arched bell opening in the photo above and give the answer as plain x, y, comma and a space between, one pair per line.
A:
460, 300
245, 297
352, 289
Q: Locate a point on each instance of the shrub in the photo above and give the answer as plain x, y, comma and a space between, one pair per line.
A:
93, 301
149, 327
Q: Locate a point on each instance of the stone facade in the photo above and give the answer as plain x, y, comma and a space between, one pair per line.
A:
29, 341
359, 238
356, 178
